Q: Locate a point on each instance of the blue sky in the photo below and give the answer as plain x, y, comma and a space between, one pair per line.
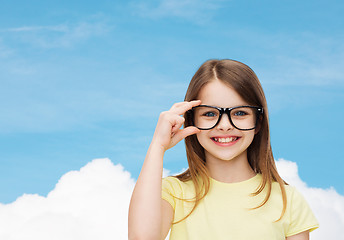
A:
82, 80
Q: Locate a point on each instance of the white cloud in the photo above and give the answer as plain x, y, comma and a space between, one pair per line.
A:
327, 204
88, 204
93, 204
166, 172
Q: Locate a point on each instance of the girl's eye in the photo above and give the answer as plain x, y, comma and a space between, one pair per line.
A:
240, 113
210, 114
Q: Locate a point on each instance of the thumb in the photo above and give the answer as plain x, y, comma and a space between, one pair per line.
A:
183, 133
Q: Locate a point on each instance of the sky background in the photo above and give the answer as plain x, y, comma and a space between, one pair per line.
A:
81, 80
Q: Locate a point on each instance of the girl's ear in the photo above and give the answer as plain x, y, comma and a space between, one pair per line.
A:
257, 129
258, 125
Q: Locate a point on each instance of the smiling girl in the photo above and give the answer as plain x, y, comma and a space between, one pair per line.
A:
231, 189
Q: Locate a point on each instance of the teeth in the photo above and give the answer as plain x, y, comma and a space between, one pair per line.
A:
225, 140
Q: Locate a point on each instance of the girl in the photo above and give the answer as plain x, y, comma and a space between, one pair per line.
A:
231, 189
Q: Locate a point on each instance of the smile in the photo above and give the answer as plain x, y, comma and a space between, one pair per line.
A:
225, 140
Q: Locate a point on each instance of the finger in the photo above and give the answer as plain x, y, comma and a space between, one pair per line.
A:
183, 133
178, 122
181, 108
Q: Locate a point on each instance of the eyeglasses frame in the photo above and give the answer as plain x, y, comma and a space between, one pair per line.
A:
228, 112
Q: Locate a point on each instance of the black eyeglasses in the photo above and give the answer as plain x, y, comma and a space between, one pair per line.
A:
244, 118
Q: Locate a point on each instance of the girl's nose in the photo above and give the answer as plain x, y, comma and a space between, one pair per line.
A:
224, 123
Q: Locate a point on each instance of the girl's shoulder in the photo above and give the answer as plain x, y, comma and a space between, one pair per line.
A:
299, 212
291, 191
173, 190
295, 198
176, 184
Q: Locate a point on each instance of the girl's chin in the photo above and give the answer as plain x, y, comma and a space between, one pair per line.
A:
225, 157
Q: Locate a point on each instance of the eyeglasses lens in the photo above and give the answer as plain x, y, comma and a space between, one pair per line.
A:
243, 118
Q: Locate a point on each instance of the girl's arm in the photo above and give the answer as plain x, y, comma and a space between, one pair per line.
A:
300, 236
150, 217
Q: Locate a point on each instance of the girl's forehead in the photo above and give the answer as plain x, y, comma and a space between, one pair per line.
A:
217, 93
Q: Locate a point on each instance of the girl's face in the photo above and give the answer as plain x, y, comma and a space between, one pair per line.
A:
223, 142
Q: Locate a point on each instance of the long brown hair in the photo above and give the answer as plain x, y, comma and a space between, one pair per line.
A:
244, 81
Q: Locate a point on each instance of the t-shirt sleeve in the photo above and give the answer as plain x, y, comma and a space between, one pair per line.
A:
169, 191
301, 215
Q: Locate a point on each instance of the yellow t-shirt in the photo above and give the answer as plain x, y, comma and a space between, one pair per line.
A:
225, 212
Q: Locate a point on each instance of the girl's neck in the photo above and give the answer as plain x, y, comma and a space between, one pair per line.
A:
230, 171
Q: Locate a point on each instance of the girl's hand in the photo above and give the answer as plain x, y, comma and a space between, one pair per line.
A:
167, 132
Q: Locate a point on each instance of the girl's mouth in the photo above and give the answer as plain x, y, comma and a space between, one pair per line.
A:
225, 140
